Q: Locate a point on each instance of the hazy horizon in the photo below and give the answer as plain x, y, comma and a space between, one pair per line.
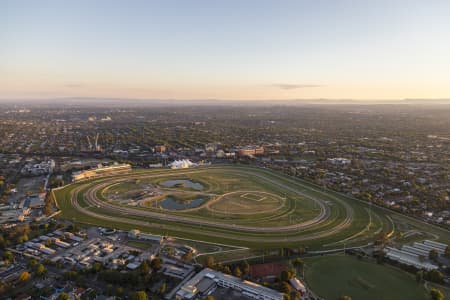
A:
118, 102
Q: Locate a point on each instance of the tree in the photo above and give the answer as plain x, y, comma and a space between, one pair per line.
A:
70, 275
163, 288
140, 295
433, 255
109, 289
434, 276
210, 297
245, 267
96, 267
286, 275
226, 270
46, 291
24, 276
56, 182
40, 270
237, 272
170, 251
32, 263
90, 295
209, 262
73, 228
301, 250
8, 256
48, 207
22, 238
156, 264
63, 296
187, 256
119, 291
295, 295
436, 294
419, 276
144, 268
298, 263
285, 287
48, 243
3, 243
447, 251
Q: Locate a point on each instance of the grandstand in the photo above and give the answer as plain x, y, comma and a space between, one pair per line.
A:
427, 247
415, 251
436, 245
416, 254
409, 259
207, 281
101, 171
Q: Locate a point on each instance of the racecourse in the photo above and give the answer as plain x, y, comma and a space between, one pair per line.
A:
242, 206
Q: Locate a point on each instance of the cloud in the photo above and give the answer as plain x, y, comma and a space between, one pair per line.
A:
289, 86
75, 85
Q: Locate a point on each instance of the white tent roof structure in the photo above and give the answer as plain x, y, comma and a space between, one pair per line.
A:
182, 164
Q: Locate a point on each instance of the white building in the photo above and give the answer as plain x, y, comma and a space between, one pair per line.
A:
297, 285
405, 256
207, 280
339, 161
182, 164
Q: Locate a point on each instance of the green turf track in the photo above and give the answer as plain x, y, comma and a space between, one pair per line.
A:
367, 221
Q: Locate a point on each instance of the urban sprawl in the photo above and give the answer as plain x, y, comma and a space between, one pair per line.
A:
158, 183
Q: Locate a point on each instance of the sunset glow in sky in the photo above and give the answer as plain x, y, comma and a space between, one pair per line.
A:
225, 49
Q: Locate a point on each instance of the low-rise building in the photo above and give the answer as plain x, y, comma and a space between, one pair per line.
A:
136, 234
250, 151
408, 258
207, 280
11, 273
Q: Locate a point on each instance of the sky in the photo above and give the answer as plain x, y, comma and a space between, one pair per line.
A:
231, 50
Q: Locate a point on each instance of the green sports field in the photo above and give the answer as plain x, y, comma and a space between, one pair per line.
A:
335, 275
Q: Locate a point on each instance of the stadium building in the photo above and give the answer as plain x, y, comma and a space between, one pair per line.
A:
416, 254
101, 171
207, 281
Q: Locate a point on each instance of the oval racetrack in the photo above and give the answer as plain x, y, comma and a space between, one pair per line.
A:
336, 218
